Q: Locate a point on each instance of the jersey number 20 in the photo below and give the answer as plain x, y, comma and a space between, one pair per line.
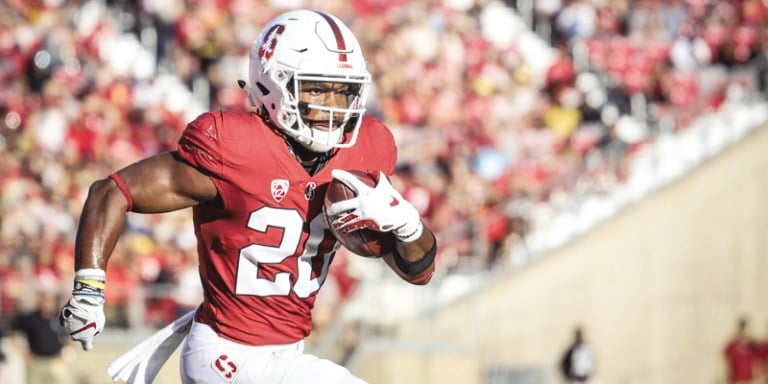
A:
251, 257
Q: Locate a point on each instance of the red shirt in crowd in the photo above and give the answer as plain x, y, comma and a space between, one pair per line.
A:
740, 356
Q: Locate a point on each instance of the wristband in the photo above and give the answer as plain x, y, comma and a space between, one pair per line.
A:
409, 233
418, 266
89, 286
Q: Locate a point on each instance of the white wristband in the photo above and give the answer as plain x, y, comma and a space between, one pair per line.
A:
97, 274
89, 285
409, 232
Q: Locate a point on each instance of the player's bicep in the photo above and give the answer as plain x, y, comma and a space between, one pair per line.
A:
165, 182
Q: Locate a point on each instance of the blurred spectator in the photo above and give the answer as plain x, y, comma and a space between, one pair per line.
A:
578, 362
188, 292
44, 340
2, 350
740, 355
761, 358
12, 365
578, 18
689, 51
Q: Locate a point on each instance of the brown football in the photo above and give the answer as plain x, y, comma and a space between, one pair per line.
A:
364, 242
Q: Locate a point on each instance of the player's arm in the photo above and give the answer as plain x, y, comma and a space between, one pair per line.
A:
385, 208
414, 261
160, 183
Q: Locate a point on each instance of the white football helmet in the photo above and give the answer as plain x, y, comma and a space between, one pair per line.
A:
306, 45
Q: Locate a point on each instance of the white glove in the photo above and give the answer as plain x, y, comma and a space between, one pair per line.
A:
82, 320
381, 208
83, 316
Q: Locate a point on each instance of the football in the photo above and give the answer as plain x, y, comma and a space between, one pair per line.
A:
363, 242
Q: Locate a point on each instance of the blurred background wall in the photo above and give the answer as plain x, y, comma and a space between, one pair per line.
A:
658, 290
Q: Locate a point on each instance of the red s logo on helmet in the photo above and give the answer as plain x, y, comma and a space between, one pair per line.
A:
270, 41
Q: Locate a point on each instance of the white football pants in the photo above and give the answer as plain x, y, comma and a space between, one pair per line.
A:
208, 358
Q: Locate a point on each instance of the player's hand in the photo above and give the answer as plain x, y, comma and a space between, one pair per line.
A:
83, 320
83, 315
381, 208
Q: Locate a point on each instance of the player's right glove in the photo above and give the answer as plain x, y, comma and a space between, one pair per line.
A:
83, 315
382, 208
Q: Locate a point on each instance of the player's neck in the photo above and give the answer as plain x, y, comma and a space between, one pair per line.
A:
312, 162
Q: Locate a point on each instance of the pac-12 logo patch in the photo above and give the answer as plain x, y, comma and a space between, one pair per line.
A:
279, 189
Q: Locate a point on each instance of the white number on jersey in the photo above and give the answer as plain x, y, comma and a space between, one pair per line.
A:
251, 257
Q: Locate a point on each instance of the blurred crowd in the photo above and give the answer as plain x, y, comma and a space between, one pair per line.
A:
497, 111
746, 355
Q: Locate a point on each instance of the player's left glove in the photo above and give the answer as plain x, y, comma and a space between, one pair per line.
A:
381, 208
83, 316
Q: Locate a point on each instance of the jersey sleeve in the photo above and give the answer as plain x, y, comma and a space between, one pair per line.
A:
383, 142
200, 145
390, 158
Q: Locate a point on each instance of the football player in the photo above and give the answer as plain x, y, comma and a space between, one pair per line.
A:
256, 183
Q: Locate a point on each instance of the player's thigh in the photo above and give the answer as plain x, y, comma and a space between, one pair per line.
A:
207, 358
293, 367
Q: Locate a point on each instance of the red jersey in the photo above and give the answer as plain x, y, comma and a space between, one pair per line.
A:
266, 251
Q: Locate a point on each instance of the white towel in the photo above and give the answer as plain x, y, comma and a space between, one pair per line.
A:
141, 363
